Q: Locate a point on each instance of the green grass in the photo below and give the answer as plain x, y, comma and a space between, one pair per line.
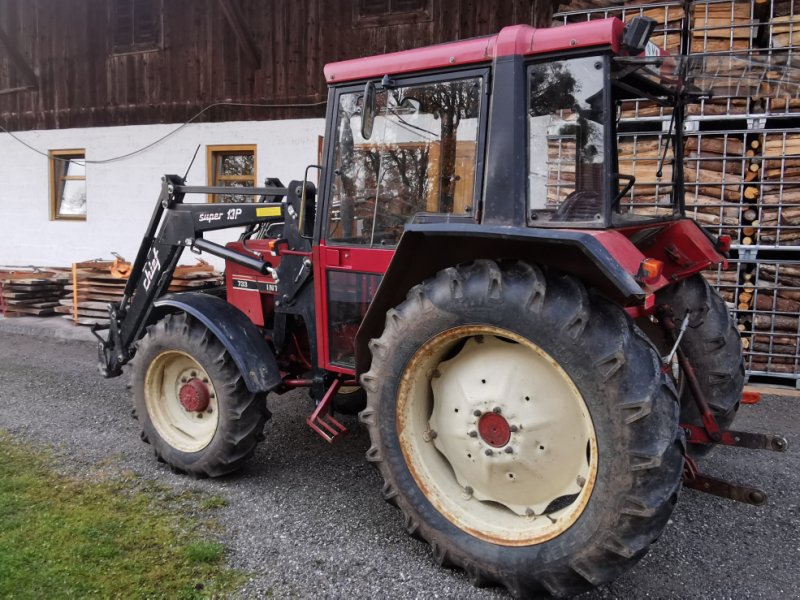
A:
62, 537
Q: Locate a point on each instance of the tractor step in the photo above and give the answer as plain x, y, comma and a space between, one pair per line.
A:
322, 421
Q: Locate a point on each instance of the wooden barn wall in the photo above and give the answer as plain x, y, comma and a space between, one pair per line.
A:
82, 83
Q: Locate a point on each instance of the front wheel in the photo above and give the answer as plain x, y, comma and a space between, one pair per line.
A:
191, 400
524, 428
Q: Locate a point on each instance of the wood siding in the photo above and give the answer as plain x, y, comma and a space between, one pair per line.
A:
82, 83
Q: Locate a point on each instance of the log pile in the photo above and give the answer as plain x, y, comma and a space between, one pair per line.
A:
779, 222
30, 292
721, 26
774, 321
94, 284
715, 173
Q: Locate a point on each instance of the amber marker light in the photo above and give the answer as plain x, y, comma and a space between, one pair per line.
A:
649, 270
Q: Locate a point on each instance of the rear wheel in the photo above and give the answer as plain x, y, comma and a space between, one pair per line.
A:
524, 428
714, 348
191, 401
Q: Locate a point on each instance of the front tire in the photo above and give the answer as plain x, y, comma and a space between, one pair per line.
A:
596, 455
191, 400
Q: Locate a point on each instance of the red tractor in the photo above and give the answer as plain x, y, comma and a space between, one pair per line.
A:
522, 329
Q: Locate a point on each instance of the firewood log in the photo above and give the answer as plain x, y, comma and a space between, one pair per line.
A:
776, 323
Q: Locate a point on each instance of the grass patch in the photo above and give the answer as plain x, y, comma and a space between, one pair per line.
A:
63, 537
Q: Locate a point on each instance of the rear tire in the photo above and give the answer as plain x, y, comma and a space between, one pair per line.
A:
605, 384
217, 435
714, 347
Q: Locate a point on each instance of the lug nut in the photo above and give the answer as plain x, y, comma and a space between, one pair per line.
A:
477, 413
497, 410
513, 429
473, 434
509, 450
489, 452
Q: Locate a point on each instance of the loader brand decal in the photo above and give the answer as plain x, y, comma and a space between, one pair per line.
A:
254, 286
233, 213
268, 211
151, 267
210, 217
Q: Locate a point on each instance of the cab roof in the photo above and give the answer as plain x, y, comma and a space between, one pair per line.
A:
519, 40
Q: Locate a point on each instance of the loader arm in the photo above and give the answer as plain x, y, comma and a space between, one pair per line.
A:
173, 227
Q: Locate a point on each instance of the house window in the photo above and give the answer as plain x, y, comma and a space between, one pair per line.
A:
135, 25
68, 184
231, 166
380, 13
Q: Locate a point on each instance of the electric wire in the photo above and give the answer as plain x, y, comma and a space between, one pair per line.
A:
164, 137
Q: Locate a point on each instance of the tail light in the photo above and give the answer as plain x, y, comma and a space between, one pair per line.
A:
724, 243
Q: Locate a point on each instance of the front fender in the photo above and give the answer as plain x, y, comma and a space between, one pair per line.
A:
249, 350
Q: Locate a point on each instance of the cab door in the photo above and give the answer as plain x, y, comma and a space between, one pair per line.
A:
421, 161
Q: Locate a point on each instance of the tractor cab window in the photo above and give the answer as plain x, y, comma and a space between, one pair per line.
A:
567, 119
419, 160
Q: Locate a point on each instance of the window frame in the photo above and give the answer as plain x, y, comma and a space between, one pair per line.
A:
134, 48
55, 179
230, 149
481, 72
609, 141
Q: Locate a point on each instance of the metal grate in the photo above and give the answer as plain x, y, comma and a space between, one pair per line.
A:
669, 16
764, 297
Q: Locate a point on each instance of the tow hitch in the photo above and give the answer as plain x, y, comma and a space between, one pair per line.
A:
709, 432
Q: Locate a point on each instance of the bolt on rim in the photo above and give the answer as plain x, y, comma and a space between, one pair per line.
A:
181, 401
497, 435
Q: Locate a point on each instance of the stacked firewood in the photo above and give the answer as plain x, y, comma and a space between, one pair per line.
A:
769, 305
779, 222
30, 292
722, 26
95, 284
714, 181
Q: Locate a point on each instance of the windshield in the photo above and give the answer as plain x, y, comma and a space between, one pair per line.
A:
567, 119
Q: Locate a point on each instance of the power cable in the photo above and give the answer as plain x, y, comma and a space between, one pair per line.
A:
164, 137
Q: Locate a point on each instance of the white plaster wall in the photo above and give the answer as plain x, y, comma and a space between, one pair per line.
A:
121, 195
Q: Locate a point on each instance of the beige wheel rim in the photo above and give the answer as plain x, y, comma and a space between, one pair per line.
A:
183, 429
496, 435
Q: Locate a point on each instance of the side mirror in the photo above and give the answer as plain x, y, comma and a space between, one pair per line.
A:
308, 205
368, 110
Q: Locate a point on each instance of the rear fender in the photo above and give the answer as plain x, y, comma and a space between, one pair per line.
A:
605, 260
251, 353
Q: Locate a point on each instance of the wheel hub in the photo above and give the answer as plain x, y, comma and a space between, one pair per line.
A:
504, 421
494, 430
194, 395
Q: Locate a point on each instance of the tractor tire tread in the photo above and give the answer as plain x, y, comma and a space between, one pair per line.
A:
655, 458
245, 413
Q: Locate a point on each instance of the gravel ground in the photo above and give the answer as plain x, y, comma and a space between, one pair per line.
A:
306, 519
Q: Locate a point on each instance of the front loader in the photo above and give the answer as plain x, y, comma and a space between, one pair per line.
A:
519, 323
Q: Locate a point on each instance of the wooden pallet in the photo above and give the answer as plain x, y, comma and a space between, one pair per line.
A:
31, 292
94, 284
